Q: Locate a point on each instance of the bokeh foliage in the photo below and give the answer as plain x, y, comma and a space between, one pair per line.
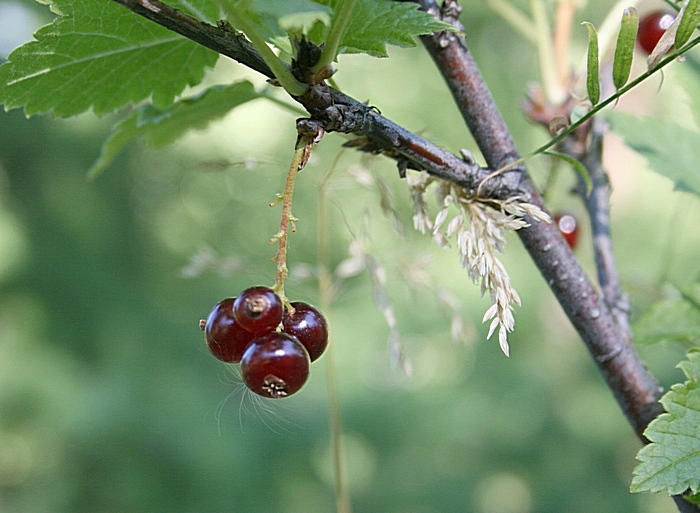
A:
109, 400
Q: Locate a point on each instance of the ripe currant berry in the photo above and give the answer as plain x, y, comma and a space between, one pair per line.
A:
275, 365
308, 325
224, 336
652, 27
568, 227
258, 310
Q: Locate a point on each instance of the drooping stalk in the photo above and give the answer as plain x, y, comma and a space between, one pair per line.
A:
342, 495
287, 218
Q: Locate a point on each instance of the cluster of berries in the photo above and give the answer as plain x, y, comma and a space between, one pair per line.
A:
275, 346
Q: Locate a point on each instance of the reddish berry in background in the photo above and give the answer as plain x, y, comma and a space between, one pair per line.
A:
258, 310
568, 227
308, 325
225, 338
651, 27
275, 365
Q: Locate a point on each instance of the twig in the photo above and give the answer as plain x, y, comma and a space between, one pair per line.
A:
598, 207
222, 39
335, 110
635, 389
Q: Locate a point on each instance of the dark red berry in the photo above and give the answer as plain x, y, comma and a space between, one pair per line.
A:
225, 338
258, 310
651, 27
568, 227
308, 325
275, 365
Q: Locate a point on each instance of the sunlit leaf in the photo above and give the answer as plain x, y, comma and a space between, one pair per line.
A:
672, 461
99, 55
378, 23
162, 127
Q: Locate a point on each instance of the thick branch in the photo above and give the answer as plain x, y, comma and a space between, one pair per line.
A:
634, 388
222, 39
336, 111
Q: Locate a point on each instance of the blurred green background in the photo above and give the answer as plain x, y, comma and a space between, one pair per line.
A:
110, 401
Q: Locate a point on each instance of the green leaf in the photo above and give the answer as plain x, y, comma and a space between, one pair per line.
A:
670, 149
162, 127
624, 49
274, 19
377, 23
297, 15
672, 461
98, 54
689, 22
672, 320
592, 78
580, 168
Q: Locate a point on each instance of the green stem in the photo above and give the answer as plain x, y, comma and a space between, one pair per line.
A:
282, 234
335, 36
241, 21
543, 41
325, 284
269, 94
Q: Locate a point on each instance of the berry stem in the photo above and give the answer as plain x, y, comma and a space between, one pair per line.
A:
298, 161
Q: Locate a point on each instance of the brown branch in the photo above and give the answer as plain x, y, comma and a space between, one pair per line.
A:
336, 111
598, 206
635, 389
222, 39
593, 317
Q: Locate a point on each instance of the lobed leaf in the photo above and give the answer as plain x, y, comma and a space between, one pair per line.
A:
669, 148
592, 78
161, 127
672, 461
99, 55
378, 23
624, 49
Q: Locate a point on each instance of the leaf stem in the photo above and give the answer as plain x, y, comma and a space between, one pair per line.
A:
241, 21
335, 36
